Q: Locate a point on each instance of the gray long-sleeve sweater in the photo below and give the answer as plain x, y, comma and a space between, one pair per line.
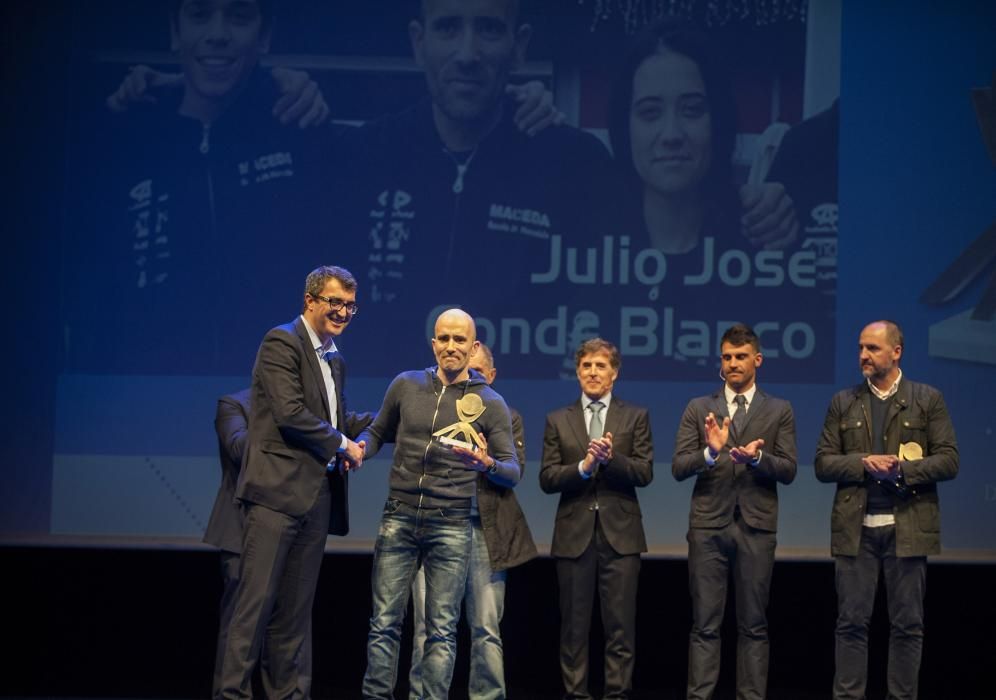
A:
426, 473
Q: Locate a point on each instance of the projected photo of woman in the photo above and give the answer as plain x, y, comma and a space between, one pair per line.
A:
695, 229
672, 128
672, 125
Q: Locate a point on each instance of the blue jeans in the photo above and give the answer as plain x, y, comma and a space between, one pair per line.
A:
485, 604
440, 540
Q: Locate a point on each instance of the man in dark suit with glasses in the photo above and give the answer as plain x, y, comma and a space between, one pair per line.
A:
292, 486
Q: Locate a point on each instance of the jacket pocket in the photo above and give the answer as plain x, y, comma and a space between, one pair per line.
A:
566, 511
844, 505
928, 515
275, 447
914, 429
852, 432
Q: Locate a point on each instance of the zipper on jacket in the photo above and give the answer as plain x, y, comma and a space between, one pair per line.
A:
461, 168
425, 455
205, 149
457, 187
205, 139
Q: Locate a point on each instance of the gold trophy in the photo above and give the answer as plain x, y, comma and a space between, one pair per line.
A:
907, 451
469, 408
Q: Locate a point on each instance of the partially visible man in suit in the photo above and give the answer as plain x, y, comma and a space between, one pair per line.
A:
595, 453
886, 443
292, 486
224, 528
737, 463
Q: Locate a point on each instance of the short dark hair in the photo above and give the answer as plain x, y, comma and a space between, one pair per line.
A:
593, 345
678, 36
513, 12
741, 334
488, 355
893, 333
320, 276
265, 11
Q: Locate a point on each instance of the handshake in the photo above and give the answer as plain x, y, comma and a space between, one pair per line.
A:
352, 456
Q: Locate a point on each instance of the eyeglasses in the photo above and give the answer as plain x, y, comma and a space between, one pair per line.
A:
338, 305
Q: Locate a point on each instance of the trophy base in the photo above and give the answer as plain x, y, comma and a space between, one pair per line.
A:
450, 442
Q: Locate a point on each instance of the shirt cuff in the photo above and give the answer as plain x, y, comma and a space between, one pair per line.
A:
757, 460
342, 444
707, 455
582, 472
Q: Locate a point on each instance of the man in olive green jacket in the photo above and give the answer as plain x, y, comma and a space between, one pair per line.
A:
886, 443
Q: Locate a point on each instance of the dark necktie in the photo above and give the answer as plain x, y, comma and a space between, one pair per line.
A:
334, 358
335, 361
740, 415
595, 427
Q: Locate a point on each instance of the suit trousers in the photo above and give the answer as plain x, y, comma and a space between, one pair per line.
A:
616, 577
713, 553
281, 558
857, 581
229, 584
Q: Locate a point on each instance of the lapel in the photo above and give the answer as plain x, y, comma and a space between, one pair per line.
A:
311, 360
575, 419
337, 367
720, 411
613, 416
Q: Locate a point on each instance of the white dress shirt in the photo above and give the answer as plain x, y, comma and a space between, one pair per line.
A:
320, 349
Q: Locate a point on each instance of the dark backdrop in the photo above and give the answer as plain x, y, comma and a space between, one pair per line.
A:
136, 623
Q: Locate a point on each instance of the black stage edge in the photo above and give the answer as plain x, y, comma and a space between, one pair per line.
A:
135, 623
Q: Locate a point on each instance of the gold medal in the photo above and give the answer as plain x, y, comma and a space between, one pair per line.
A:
908, 451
